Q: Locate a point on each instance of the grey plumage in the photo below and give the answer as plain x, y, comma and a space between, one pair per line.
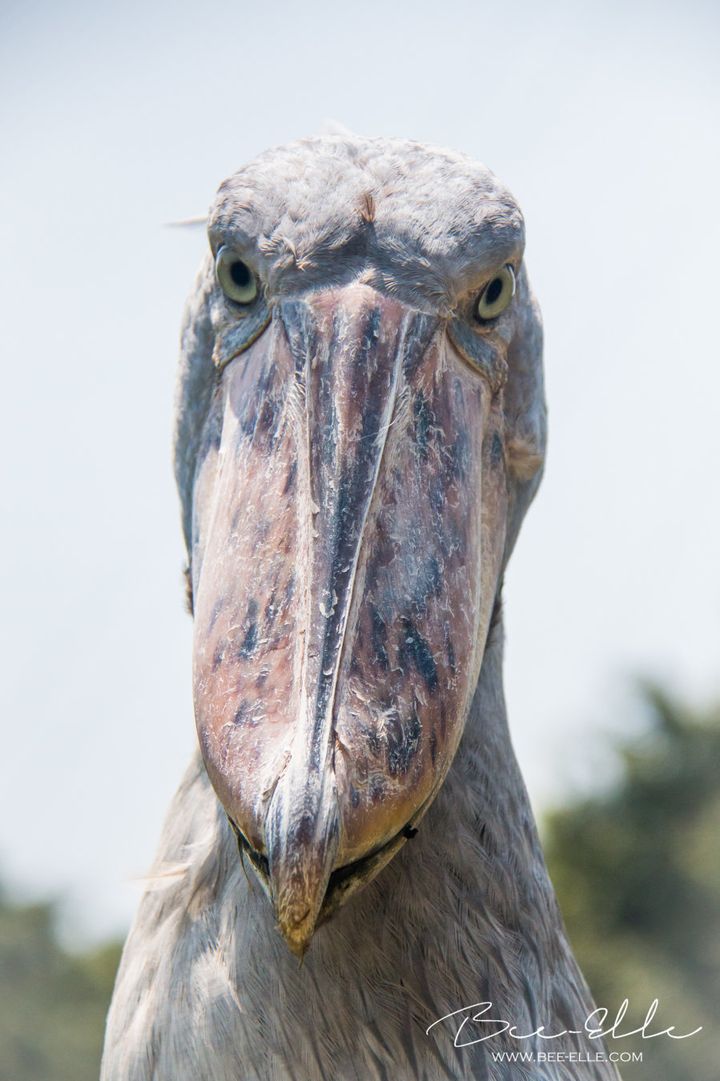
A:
464, 912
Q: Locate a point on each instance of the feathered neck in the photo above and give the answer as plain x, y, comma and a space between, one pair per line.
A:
464, 914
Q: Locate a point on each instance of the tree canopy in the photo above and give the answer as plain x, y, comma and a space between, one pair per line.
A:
52, 1003
637, 873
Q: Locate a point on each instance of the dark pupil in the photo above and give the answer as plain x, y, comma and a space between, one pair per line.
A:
240, 274
493, 291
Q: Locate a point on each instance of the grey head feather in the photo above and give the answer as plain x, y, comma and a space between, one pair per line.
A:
419, 222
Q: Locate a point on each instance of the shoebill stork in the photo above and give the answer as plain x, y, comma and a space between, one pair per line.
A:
352, 855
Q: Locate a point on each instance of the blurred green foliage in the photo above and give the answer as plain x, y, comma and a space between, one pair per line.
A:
636, 869
52, 1003
637, 873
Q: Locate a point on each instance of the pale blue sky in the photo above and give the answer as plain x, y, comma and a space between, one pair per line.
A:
114, 119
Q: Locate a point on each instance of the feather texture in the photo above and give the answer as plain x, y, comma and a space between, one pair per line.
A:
208, 991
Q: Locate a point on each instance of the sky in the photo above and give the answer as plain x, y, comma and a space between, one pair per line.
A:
602, 118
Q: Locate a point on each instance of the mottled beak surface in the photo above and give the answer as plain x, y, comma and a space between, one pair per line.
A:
346, 560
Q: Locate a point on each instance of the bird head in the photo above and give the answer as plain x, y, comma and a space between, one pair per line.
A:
361, 428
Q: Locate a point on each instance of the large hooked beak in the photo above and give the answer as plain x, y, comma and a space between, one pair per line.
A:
345, 567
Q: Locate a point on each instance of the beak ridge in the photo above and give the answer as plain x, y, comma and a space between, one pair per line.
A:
348, 360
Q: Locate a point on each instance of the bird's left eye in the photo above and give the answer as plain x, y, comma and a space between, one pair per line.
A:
496, 295
236, 279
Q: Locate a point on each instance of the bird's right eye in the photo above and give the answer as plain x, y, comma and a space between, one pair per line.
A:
235, 277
